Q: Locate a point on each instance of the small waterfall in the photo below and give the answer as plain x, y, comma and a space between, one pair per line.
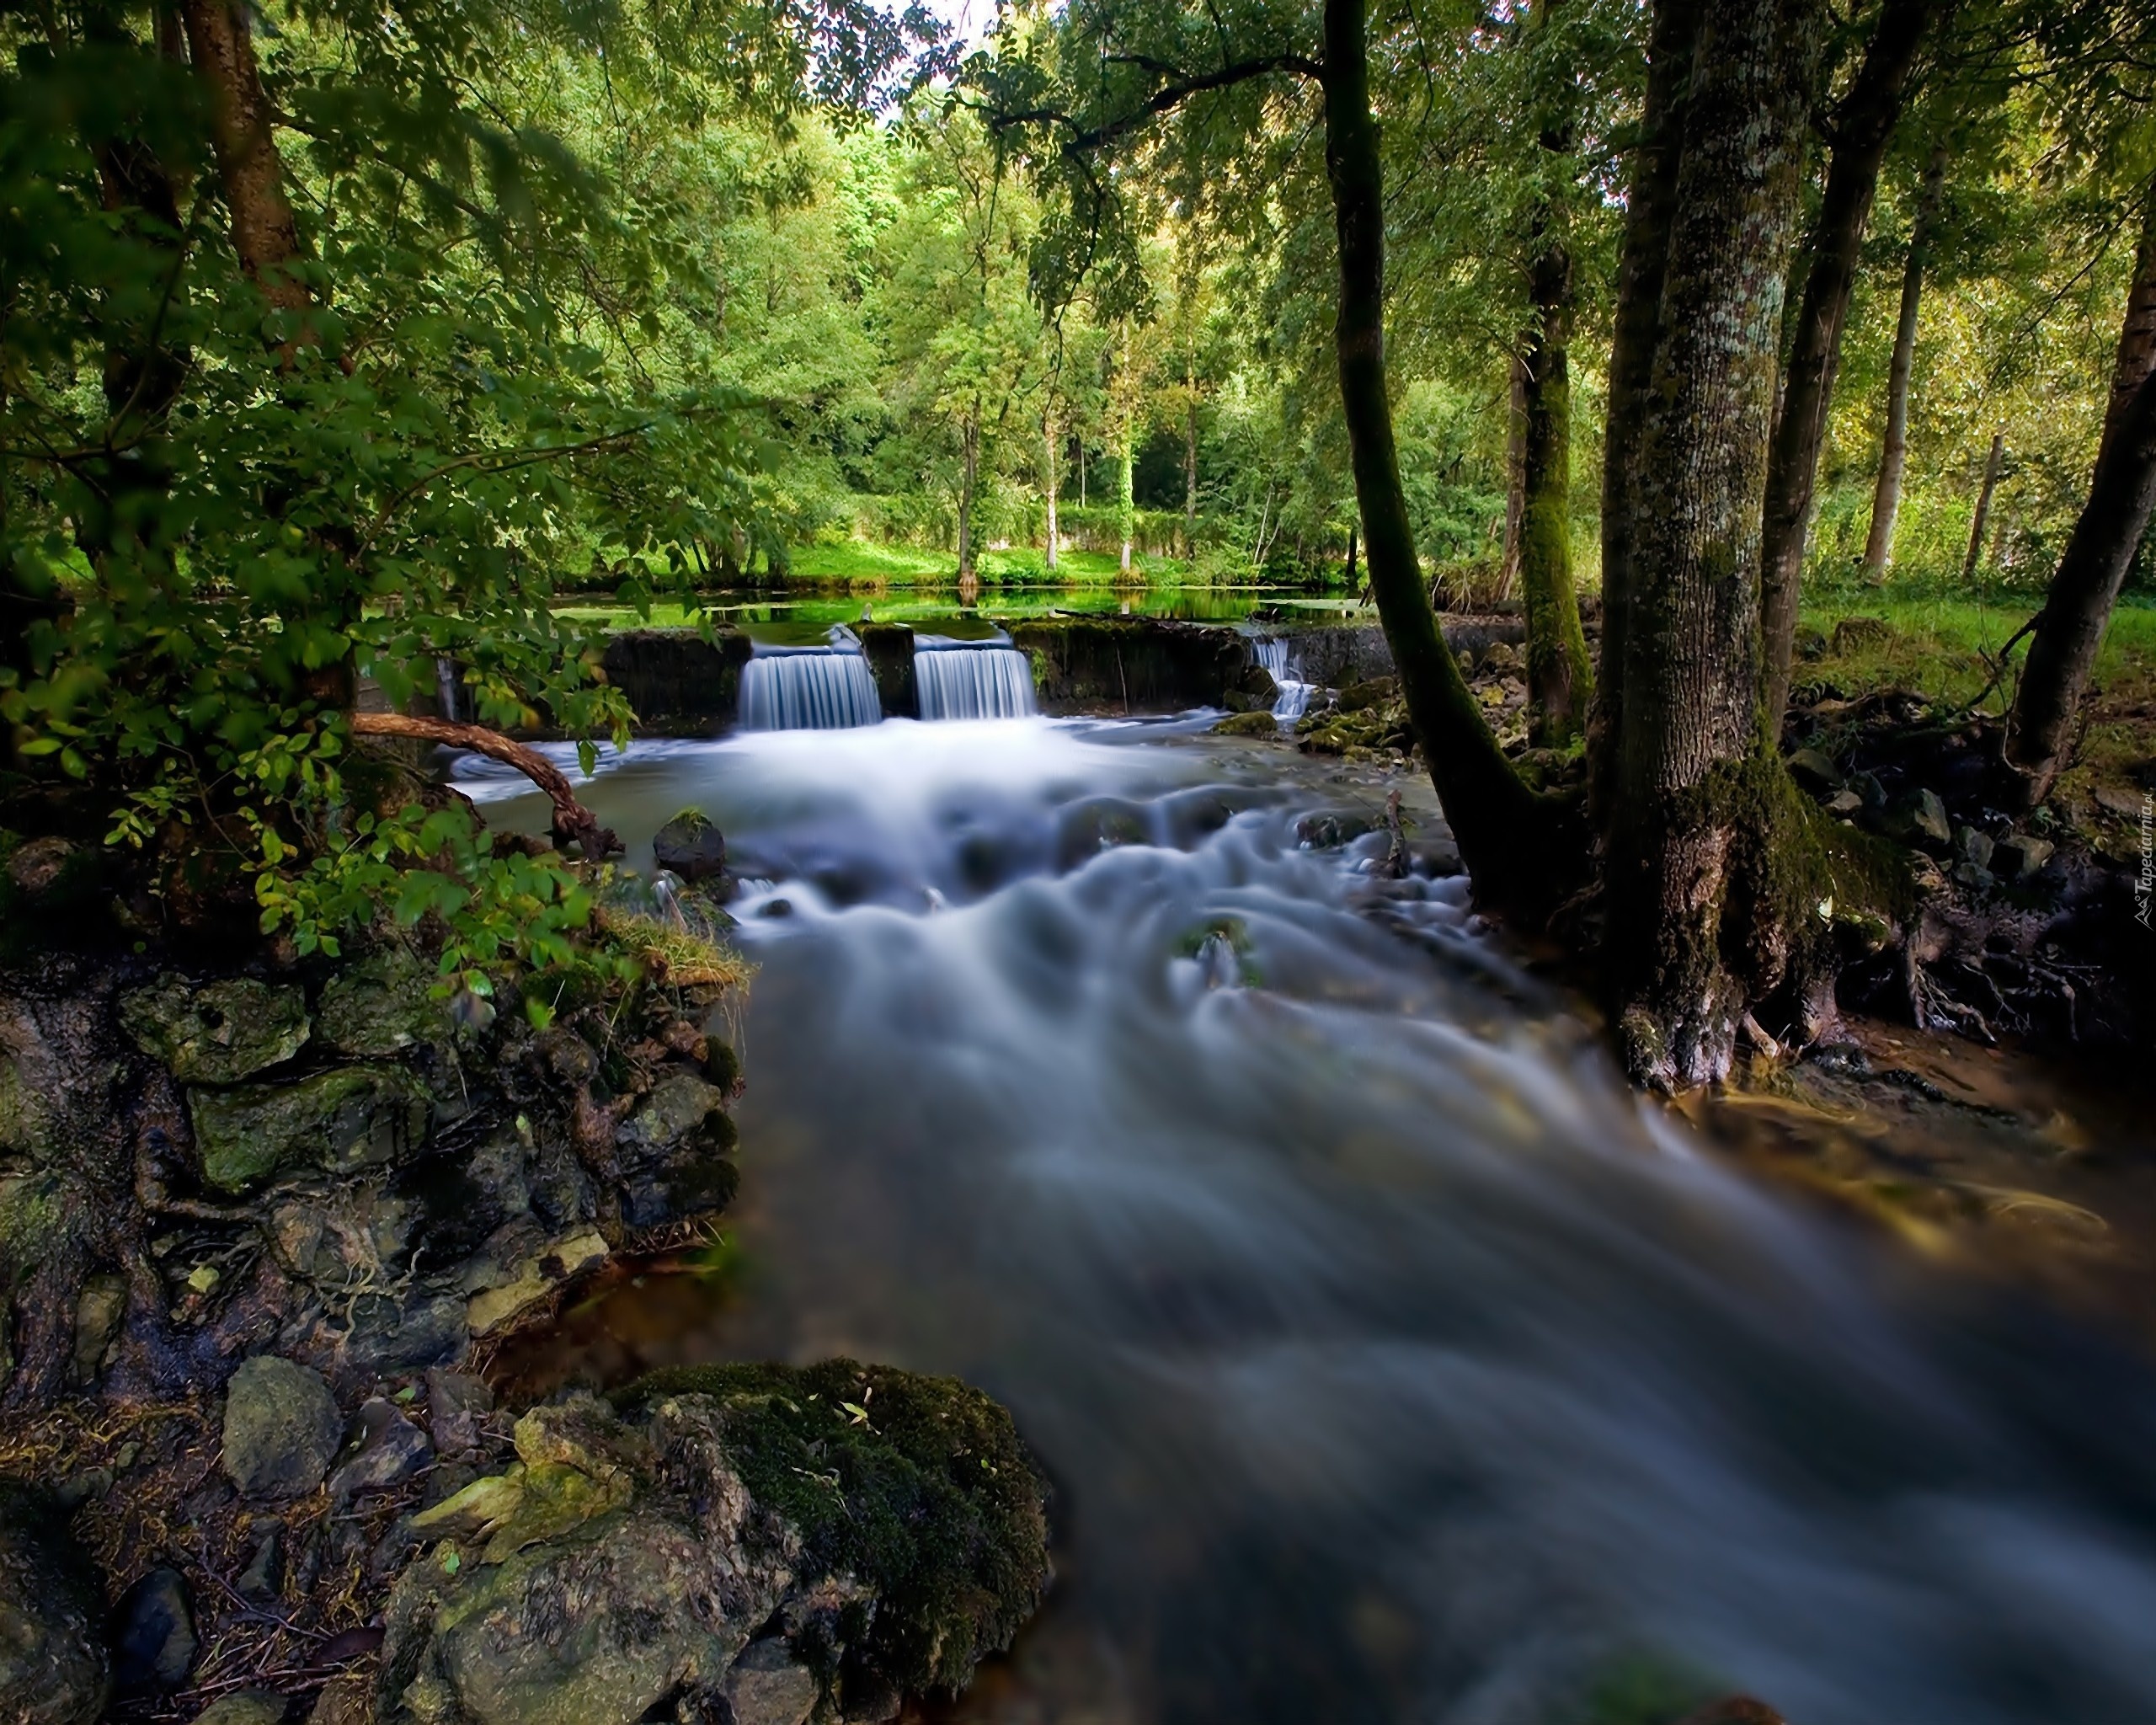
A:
823, 689
972, 683
1272, 652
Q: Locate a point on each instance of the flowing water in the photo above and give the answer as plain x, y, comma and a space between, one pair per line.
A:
812, 689
1278, 656
1392, 1361
960, 679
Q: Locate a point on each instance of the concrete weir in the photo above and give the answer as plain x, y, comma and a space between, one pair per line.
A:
681, 683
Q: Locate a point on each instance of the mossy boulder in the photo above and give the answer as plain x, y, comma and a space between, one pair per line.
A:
281, 1427
690, 846
347, 1117
54, 1668
380, 1005
1258, 723
672, 1151
219, 1033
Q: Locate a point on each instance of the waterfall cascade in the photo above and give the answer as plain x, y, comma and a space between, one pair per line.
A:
823, 689
1273, 654
965, 682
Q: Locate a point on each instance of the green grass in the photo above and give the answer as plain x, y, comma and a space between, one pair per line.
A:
856, 560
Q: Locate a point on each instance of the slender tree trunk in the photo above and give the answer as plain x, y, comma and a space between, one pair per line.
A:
1651, 207
1696, 929
1351, 558
1190, 470
1864, 125
1894, 449
1992, 463
1515, 475
1504, 831
1559, 681
2121, 493
1125, 509
969, 480
1051, 477
221, 42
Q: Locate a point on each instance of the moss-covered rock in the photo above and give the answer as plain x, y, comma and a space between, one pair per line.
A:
220, 1033
347, 1117
690, 846
673, 1150
918, 1488
1259, 723
54, 1668
380, 1005
281, 1427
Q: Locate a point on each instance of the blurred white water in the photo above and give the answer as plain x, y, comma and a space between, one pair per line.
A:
1393, 1361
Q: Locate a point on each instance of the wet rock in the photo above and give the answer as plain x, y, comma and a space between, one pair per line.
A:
1815, 771
391, 1336
672, 1152
343, 1700
99, 1310
629, 1557
1257, 722
380, 1005
457, 1407
247, 1706
1866, 785
54, 1667
281, 1427
690, 846
2020, 856
220, 1033
534, 1280
1253, 690
35, 868
153, 1634
1920, 818
264, 1578
1378, 692
769, 1686
386, 1449
338, 1120
1328, 832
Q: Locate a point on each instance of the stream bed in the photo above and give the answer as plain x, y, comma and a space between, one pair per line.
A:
1392, 1361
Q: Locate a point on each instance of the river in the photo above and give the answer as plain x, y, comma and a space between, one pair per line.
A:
1392, 1361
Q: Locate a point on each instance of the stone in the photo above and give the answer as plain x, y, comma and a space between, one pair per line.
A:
1844, 804
2127, 805
246, 1706
1258, 723
264, 1578
1974, 846
457, 1407
98, 1312
386, 1449
341, 1120
672, 1152
381, 1005
389, 1336
153, 1634
1867, 786
347, 1700
1815, 771
537, 1279
1375, 692
690, 846
217, 1033
769, 1686
54, 1666
35, 867
1920, 818
281, 1427
1974, 876
2020, 856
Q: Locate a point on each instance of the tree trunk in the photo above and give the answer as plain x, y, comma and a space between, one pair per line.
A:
1992, 465
1351, 558
1504, 831
970, 478
1864, 125
1515, 474
2121, 492
1894, 449
1052, 476
1699, 921
573, 821
221, 42
1559, 682
1651, 207
1190, 471
1126, 510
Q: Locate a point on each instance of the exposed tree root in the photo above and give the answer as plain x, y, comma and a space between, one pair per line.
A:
573, 821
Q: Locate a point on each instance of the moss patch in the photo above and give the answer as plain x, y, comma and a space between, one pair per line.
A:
918, 1486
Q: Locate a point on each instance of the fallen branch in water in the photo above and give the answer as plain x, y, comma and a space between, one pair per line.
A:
573, 821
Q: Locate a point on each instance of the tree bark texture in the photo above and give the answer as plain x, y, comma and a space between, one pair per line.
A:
1503, 829
221, 42
1190, 472
968, 482
2121, 493
1694, 936
1052, 483
573, 821
1515, 474
1864, 125
1993, 463
1650, 208
1125, 508
1894, 447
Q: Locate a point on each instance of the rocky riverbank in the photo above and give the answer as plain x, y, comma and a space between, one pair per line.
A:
261, 1232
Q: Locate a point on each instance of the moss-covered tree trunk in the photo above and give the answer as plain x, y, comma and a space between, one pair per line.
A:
1051, 481
1864, 125
1701, 826
969, 483
1894, 445
1505, 832
1126, 512
2121, 493
1559, 682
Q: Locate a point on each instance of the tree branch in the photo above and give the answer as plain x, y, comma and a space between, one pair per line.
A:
572, 819
1180, 87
